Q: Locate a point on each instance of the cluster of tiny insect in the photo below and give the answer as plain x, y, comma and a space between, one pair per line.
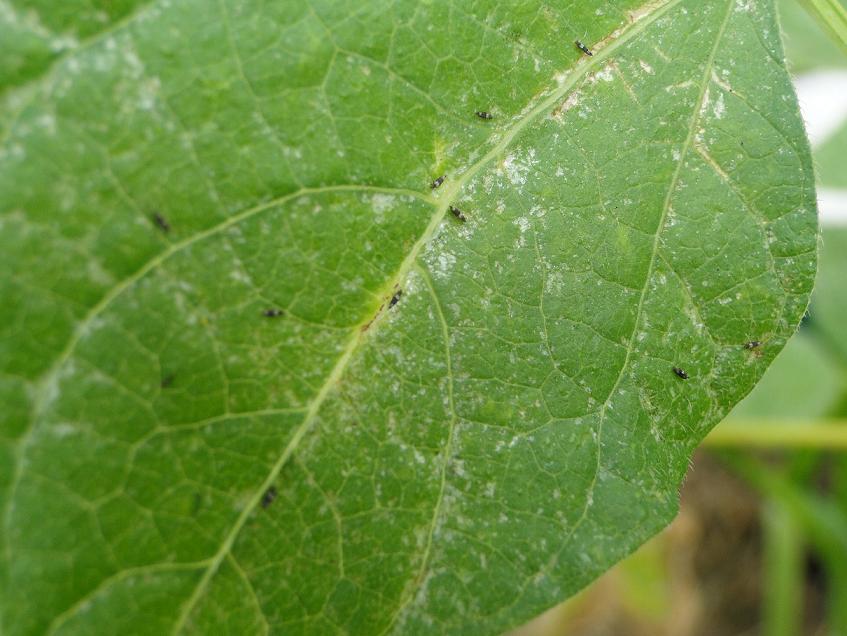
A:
165, 227
486, 115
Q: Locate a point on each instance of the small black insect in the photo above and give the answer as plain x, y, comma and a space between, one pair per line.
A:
272, 313
167, 381
484, 115
268, 497
583, 48
438, 181
395, 298
680, 373
161, 222
457, 213
753, 344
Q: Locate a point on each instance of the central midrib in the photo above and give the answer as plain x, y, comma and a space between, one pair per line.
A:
446, 196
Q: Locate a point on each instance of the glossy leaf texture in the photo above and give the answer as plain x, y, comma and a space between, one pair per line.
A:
221, 416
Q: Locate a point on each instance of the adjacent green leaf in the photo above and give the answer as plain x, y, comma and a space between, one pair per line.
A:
830, 160
807, 45
827, 313
453, 459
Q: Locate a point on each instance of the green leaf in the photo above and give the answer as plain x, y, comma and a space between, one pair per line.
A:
174, 460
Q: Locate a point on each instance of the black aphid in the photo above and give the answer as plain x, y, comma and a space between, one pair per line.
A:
438, 181
167, 381
161, 222
395, 298
484, 115
457, 213
272, 313
680, 373
583, 48
753, 344
268, 497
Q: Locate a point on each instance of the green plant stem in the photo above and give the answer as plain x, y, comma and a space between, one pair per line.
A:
783, 575
821, 519
768, 433
818, 518
832, 16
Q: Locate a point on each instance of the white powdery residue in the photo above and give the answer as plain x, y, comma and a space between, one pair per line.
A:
570, 102
643, 11
717, 79
147, 93
560, 78
443, 264
517, 168
719, 108
98, 274
488, 183
744, 6
48, 123
522, 223
555, 282
646, 67
707, 98
64, 429
104, 59
382, 202
606, 74
355, 285
131, 59
681, 86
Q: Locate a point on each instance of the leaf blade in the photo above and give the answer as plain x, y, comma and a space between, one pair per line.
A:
551, 326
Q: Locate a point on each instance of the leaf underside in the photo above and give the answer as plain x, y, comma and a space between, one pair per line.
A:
455, 458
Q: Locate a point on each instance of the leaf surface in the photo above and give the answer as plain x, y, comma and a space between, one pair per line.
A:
453, 459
